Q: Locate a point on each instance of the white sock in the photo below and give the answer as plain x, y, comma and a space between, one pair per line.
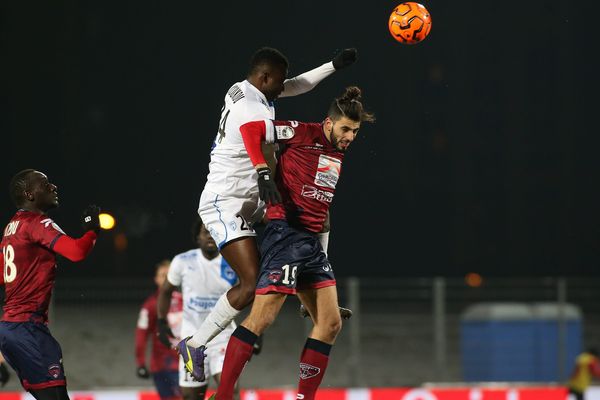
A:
218, 319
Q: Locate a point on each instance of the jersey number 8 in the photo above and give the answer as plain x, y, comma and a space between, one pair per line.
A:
10, 269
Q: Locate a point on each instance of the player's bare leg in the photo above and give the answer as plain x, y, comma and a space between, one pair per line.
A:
243, 257
241, 344
322, 306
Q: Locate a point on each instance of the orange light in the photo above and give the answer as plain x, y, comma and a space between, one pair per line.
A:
473, 279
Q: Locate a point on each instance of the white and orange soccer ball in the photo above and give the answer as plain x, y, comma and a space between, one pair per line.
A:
409, 23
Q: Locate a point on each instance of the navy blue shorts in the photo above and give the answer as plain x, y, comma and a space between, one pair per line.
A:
167, 384
291, 259
33, 353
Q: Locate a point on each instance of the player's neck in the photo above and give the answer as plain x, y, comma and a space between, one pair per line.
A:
209, 255
32, 209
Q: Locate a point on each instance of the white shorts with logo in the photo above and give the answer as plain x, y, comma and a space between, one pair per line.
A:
229, 218
213, 365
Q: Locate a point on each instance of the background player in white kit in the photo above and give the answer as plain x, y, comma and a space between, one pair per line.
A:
203, 276
230, 202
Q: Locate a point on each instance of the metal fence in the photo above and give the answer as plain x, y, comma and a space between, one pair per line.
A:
405, 331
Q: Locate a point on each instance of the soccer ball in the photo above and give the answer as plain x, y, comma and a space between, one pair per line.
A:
409, 23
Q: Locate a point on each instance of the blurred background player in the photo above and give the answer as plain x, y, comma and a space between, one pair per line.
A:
587, 366
292, 260
203, 275
4, 372
163, 358
229, 203
30, 244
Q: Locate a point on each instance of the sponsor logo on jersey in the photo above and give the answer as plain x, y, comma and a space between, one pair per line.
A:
199, 303
313, 193
328, 171
284, 132
308, 371
54, 370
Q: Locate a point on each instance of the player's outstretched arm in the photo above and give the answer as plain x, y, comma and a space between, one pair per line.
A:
78, 249
163, 302
307, 81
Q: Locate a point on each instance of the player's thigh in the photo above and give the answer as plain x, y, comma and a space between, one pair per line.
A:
322, 304
33, 353
186, 380
227, 218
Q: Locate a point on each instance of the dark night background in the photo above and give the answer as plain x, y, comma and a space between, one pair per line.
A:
484, 156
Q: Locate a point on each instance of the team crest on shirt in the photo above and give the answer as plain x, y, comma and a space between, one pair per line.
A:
308, 371
328, 171
54, 370
274, 276
284, 132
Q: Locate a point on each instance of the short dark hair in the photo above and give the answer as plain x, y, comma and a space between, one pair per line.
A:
349, 105
18, 184
196, 227
267, 56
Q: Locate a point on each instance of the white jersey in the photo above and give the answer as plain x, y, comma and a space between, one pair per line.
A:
202, 282
231, 173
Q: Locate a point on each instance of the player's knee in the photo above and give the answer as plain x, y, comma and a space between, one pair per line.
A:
332, 328
246, 293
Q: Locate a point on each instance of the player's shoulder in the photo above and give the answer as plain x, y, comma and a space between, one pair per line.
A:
150, 301
286, 130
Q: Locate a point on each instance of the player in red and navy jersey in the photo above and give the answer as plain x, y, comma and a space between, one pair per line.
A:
29, 245
164, 360
292, 259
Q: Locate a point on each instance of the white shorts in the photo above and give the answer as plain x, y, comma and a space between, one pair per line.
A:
229, 218
213, 365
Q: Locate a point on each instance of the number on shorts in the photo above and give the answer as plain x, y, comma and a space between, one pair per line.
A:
10, 269
287, 277
244, 224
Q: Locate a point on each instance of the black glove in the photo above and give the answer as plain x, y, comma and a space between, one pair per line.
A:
164, 332
267, 189
257, 348
345, 58
4, 374
91, 221
142, 372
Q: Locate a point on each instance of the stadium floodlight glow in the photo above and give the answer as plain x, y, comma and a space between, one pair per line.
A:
107, 221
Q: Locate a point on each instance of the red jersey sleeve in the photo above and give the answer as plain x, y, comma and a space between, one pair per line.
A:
75, 249
595, 367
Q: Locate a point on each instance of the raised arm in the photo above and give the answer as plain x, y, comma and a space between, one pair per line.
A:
307, 81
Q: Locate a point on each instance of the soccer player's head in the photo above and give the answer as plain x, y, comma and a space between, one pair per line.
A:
30, 189
203, 239
160, 272
345, 115
267, 72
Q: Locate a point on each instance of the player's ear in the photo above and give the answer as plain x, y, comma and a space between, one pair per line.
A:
28, 195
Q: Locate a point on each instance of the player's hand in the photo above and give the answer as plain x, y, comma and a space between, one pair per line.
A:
165, 334
142, 372
257, 348
4, 374
267, 189
91, 221
345, 58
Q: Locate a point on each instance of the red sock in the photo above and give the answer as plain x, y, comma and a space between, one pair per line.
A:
313, 363
239, 351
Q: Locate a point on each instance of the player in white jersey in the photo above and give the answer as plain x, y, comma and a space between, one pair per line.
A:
203, 276
231, 203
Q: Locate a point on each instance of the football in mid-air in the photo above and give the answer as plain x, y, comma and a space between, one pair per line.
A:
409, 23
